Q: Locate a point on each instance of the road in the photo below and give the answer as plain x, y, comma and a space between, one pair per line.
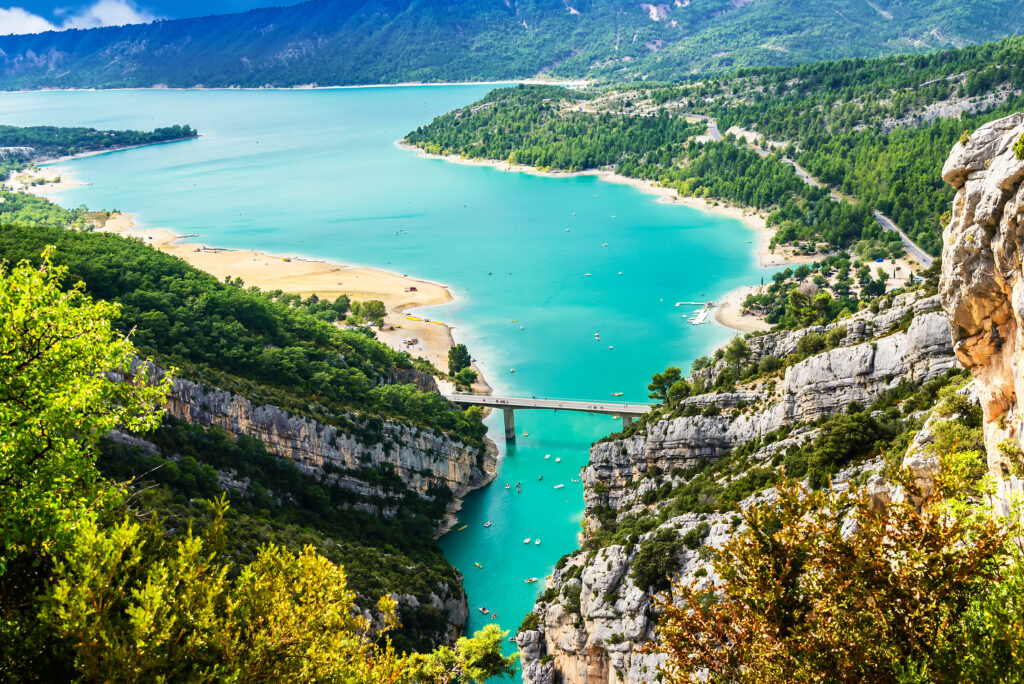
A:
915, 251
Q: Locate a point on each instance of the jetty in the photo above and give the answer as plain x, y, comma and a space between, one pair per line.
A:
509, 405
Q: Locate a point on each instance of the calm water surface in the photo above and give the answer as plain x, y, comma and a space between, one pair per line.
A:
317, 173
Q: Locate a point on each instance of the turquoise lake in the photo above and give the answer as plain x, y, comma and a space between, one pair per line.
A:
317, 173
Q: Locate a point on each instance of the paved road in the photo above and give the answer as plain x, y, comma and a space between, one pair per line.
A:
915, 251
606, 407
713, 130
883, 220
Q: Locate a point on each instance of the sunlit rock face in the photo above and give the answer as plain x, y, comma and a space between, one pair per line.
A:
982, 286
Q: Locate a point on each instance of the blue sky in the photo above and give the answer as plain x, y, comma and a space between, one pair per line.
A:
33, 16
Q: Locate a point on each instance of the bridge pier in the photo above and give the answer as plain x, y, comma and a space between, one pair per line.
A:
510, 425
626, 420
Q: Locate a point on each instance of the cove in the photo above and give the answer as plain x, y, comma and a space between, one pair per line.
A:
317, 173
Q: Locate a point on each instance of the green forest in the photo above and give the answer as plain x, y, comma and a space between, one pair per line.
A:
54, 141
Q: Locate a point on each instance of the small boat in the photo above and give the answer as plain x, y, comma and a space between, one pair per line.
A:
540, 478
558, 460
507, 485
574, 479
586, 274
511, 370
522, 327
494, 617
518, 483
527, 540
568, 229
526, 434
620, 272
478, 565
488, 523
605, 244
559, 486
616, 394
512, 639
531, 580
484, 610
537, 542
463, 527
611, 346
547, 456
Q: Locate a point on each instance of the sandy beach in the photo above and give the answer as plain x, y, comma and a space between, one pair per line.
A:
55, 180
327, 280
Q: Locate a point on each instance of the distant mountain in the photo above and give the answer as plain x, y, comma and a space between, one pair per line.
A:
336, 42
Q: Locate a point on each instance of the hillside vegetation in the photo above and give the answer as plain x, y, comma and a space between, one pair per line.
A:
877, 131
332, 42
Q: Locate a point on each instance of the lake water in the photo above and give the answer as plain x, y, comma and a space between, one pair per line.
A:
317, 173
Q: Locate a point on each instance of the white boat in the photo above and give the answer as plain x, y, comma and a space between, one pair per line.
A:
558, 460
547, 456
511, 370
559, 486
527, 540
488, 523
507, 485
611, 346
586, 274
537, 542
531, 580
605, 244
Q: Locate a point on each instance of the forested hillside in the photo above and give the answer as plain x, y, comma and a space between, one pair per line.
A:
333, 42
877, 131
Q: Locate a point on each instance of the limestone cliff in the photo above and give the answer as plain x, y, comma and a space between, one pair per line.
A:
592, 621
427, 461
982, 284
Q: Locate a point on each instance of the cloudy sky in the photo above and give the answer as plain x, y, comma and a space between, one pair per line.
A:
33, 16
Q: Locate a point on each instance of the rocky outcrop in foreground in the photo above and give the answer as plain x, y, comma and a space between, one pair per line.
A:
593, 620
982, 284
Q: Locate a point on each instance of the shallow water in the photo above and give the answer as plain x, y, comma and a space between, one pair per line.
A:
317, 173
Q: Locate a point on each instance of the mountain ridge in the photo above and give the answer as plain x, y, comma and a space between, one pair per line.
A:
330, 42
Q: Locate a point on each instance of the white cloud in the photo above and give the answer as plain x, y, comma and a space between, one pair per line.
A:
108, 13
100, 13
17, 20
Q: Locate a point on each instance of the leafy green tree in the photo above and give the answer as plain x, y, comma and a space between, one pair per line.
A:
465, 378
375, 311
661, 382
57, 348
458, 358
805, 596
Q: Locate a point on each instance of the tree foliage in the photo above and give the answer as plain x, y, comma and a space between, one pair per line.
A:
827, 586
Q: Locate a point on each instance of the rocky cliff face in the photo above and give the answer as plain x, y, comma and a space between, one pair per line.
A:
593, 620
426, 460
982, 284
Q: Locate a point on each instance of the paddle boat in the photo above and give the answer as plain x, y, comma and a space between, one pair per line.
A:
511, 370
507, 485
604, 244
527, 540
547, 456
494, 616
531, 580
478, 565
611, 346
537, 542
558, 460
488, 523
484, 610
526, 433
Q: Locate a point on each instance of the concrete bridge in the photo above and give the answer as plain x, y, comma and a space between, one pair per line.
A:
508, 405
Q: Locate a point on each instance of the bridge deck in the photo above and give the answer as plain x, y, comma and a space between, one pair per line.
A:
606, 407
